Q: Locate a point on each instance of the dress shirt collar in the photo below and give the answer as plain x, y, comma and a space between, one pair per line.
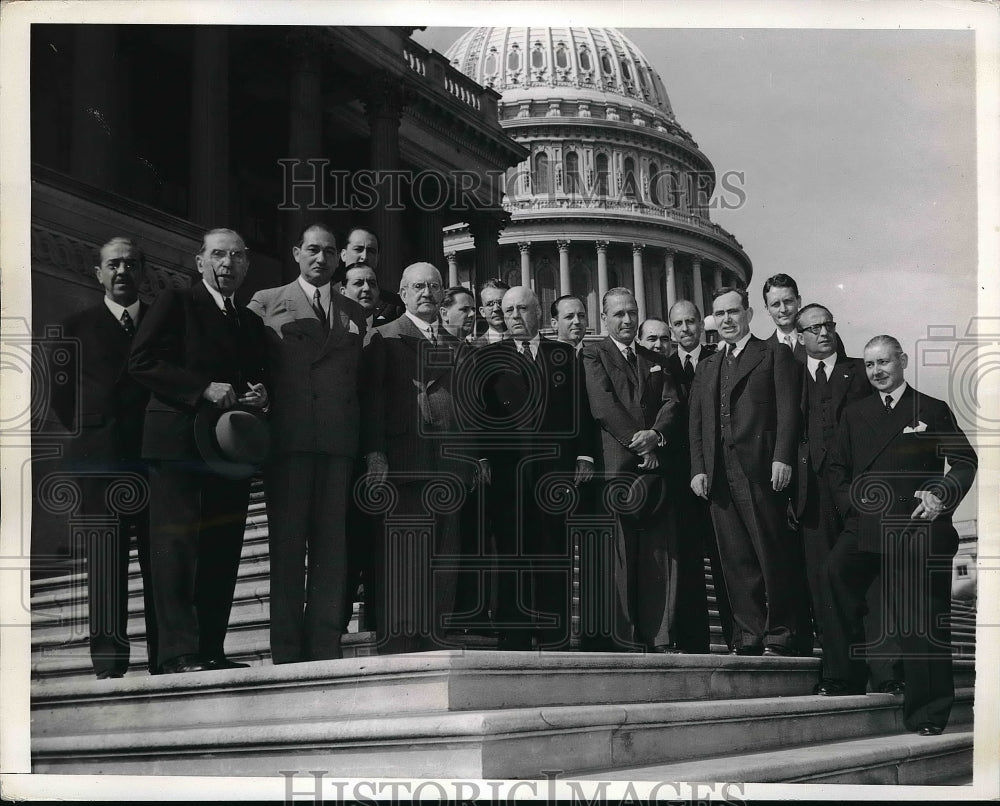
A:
310, 291
738, 347
695, 354
896, 393
532, 345
116, 310
422, 326
219, 299
493, 336
783, 338
813, 363
623, 347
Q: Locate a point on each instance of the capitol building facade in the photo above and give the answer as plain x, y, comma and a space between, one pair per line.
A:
614, 192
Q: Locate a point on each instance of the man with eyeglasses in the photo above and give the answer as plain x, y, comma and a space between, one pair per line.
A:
105, 411
743, 427
412, 364
829, 384
491, 309
314, 339
197, 348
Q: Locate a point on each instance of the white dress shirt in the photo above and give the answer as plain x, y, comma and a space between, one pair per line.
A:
117, 310
896, 393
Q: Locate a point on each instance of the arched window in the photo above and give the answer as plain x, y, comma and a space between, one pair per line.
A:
514, 58
601, 177
585, 63
538, 57
606, 65
654, 181
490, 67
626, 72
572, 180
629, 189
542, 180
562, 58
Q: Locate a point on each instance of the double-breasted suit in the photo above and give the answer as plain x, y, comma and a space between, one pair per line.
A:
106, 410
317, 429
534, 424
414, 425
744, 416
197, 517
624, 401
879, 461
692, 603
822, 407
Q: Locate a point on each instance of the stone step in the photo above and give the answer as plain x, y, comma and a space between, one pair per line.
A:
503, 743
903, 759
415, 683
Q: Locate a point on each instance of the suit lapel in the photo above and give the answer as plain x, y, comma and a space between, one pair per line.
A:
841, 378
886, 426
214, 319
616, 361
302, 311
752, 355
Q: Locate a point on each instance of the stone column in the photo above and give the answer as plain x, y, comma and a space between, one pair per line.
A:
525, 249
383, 103
431, 238
717, 280
699, 291
486, 228
668, 267
95, 147
452, 258
602, 280
564, 279
305, 132
638, 280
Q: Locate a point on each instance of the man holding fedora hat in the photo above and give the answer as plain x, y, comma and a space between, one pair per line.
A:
314, 340
203, 358
636, 403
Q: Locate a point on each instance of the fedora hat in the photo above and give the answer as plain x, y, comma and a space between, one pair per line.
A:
233, 442
647, 496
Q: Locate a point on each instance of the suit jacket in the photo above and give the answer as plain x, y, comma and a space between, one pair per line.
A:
389, 308
108, 404
799, 351
623, 402
880, 459
413, 414
847, 382
677, 371
764, 410
185, 343
319, 389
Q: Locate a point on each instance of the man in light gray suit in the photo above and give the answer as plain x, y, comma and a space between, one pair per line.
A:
314, 350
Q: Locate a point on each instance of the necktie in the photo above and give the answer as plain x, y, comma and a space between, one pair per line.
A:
630, 357
318, 307
231, 316
432, 336
790, 343
888, 404
821, 375
128, 325
688, 369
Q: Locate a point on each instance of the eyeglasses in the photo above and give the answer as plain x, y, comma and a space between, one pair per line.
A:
830, 326
129, 264
236, 255
493, 303
422, 286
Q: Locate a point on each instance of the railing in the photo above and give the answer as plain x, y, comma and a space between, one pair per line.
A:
433, 67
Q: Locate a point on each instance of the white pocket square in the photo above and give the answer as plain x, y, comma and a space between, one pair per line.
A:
655, 368
920, 426
353, 328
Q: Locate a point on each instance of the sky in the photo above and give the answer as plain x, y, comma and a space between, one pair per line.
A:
859, 154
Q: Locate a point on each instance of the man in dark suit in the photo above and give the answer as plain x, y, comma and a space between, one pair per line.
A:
637, 406
412, 363
889, 481
744, 426
568, 317
686, 326
361, 248
196, 348
108, 408
360, 283
829, 384
530, 405
490, 301
314, 351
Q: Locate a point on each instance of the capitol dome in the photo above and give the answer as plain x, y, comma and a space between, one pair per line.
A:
614, 193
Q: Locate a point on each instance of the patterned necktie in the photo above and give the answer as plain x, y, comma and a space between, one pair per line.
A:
128, 325
630, 357
232, 317
688, 369
320, 313
432, 335
888, 404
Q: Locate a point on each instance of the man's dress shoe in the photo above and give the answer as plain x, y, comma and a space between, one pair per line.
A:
747, 650
185, 663
109, 675
225, 663
835, 688
930, 730
667, 649
892, 687
780, 651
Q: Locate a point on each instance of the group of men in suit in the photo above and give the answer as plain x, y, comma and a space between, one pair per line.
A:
755, 455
